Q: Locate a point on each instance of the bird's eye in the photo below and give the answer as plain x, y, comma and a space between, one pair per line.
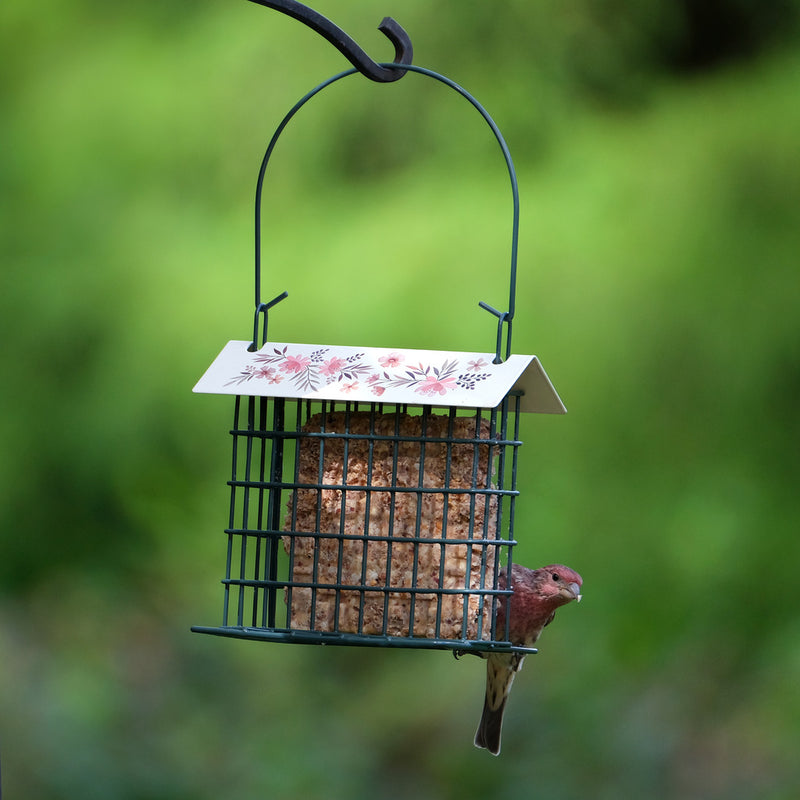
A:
556, 577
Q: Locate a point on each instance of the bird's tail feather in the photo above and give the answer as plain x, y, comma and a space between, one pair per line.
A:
490, 727
500, 672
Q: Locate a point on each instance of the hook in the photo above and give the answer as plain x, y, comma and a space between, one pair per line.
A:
263, 308
503, 318
403, 50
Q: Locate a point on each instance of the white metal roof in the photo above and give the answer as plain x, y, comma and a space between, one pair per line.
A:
379, 374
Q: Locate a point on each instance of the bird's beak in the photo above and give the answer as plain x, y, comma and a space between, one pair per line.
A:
576, 591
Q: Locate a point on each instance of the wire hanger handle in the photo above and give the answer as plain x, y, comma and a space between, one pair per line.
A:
403, 49
381, 73
504, 318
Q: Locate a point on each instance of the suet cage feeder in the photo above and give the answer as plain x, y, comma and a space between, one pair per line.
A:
372, 490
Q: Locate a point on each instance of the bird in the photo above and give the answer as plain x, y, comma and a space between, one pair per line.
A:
537, 593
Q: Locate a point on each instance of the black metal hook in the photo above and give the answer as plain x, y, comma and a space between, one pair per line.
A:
403, 50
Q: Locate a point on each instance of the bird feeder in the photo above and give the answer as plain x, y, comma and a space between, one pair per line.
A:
373, 489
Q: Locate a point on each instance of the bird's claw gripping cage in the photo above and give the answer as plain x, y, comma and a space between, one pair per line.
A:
372, 490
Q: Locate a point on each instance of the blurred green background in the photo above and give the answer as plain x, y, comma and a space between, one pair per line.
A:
658, 151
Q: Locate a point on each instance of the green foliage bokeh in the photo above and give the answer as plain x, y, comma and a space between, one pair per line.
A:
659, 167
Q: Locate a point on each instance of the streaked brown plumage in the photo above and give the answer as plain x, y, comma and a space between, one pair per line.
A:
537, 595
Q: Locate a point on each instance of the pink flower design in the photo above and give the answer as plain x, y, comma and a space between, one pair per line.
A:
434, 385
332, 366
295, 364
391, 361
354, 373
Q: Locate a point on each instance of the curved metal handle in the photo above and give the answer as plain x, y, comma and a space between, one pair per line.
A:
504, 318
403, 50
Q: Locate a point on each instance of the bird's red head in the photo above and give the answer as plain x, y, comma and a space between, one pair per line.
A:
556, 580
537, 595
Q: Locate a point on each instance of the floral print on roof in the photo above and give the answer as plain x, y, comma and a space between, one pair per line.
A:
309, 372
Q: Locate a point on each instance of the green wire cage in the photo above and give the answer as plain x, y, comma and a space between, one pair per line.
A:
372, 490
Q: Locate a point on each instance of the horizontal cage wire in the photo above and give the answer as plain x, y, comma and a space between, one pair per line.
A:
369, 523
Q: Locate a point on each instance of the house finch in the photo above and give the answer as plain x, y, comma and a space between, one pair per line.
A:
537, 593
